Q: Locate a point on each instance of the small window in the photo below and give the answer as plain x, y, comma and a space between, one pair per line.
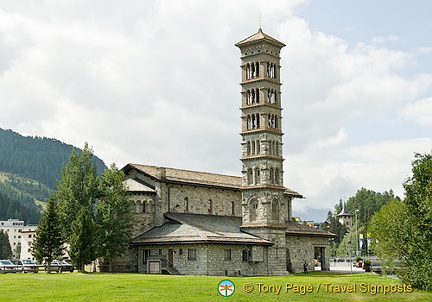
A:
146, 254
227, 254
192, 254
180, 251
186, 204
210, 206
245, 255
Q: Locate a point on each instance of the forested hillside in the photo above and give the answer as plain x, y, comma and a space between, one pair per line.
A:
37, 158
29, 170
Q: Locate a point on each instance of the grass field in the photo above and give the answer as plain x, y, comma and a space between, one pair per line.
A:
138, 287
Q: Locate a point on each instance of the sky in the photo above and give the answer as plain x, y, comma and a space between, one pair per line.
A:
156, 82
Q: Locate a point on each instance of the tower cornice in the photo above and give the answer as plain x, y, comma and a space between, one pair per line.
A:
257, 80
262, 156
263, 130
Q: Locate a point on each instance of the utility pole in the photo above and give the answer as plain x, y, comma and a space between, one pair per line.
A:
357, 239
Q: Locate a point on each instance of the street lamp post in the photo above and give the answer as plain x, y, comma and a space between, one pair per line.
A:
357, 239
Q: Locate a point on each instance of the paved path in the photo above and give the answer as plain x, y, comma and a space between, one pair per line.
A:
343, 267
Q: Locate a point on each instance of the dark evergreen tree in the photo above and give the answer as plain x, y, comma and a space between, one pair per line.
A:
49, 243
5, 247
113, 215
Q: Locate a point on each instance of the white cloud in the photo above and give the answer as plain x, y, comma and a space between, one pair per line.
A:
326, 176
420, 111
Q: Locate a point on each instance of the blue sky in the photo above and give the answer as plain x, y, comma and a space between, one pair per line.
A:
157, 82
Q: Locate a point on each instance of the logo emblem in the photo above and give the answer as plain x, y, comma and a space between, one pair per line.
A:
226, 288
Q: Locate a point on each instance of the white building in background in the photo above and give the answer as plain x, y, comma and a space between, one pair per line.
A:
28, 235
21, 237
13, 228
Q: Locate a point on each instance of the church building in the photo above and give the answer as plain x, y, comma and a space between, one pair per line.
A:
198, 223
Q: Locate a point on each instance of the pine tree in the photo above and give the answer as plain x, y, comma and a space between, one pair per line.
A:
48, 244
83, 239
114, 216
5, 247
78, 187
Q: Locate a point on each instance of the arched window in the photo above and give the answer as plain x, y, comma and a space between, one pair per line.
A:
248, 71
277, 176
253, 147
257, 95
210, 206
245, 255
253, 208
232, 208
257, 120
277, 149
258, 147
249, 176
257, 176
275, 209
144, 208
186, 204
135, 206
248, 148
271, 175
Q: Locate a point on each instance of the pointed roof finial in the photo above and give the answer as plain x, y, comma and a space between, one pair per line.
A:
260, 21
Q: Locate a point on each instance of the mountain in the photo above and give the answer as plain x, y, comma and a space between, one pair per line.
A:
29, 170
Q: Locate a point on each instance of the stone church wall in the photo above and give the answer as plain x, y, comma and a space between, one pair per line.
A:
211, 259
301, 248
196, 200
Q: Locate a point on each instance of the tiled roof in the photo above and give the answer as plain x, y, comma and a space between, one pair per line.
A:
294, 229
257, 37
196, 228
196, 178
191, 176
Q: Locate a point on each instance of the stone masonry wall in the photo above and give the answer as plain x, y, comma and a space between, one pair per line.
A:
301, 248
193, 199
211, 260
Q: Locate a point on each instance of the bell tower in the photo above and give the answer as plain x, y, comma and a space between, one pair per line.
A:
262, 157
262, 169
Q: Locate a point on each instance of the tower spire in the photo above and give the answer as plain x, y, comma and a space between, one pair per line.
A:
260, 20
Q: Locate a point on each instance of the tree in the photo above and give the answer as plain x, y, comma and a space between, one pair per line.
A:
368, 202
83, 239
78, 187
113, 215
5, 247
403, 230
48, 244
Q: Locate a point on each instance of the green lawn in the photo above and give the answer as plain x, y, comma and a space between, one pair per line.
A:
138, 287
